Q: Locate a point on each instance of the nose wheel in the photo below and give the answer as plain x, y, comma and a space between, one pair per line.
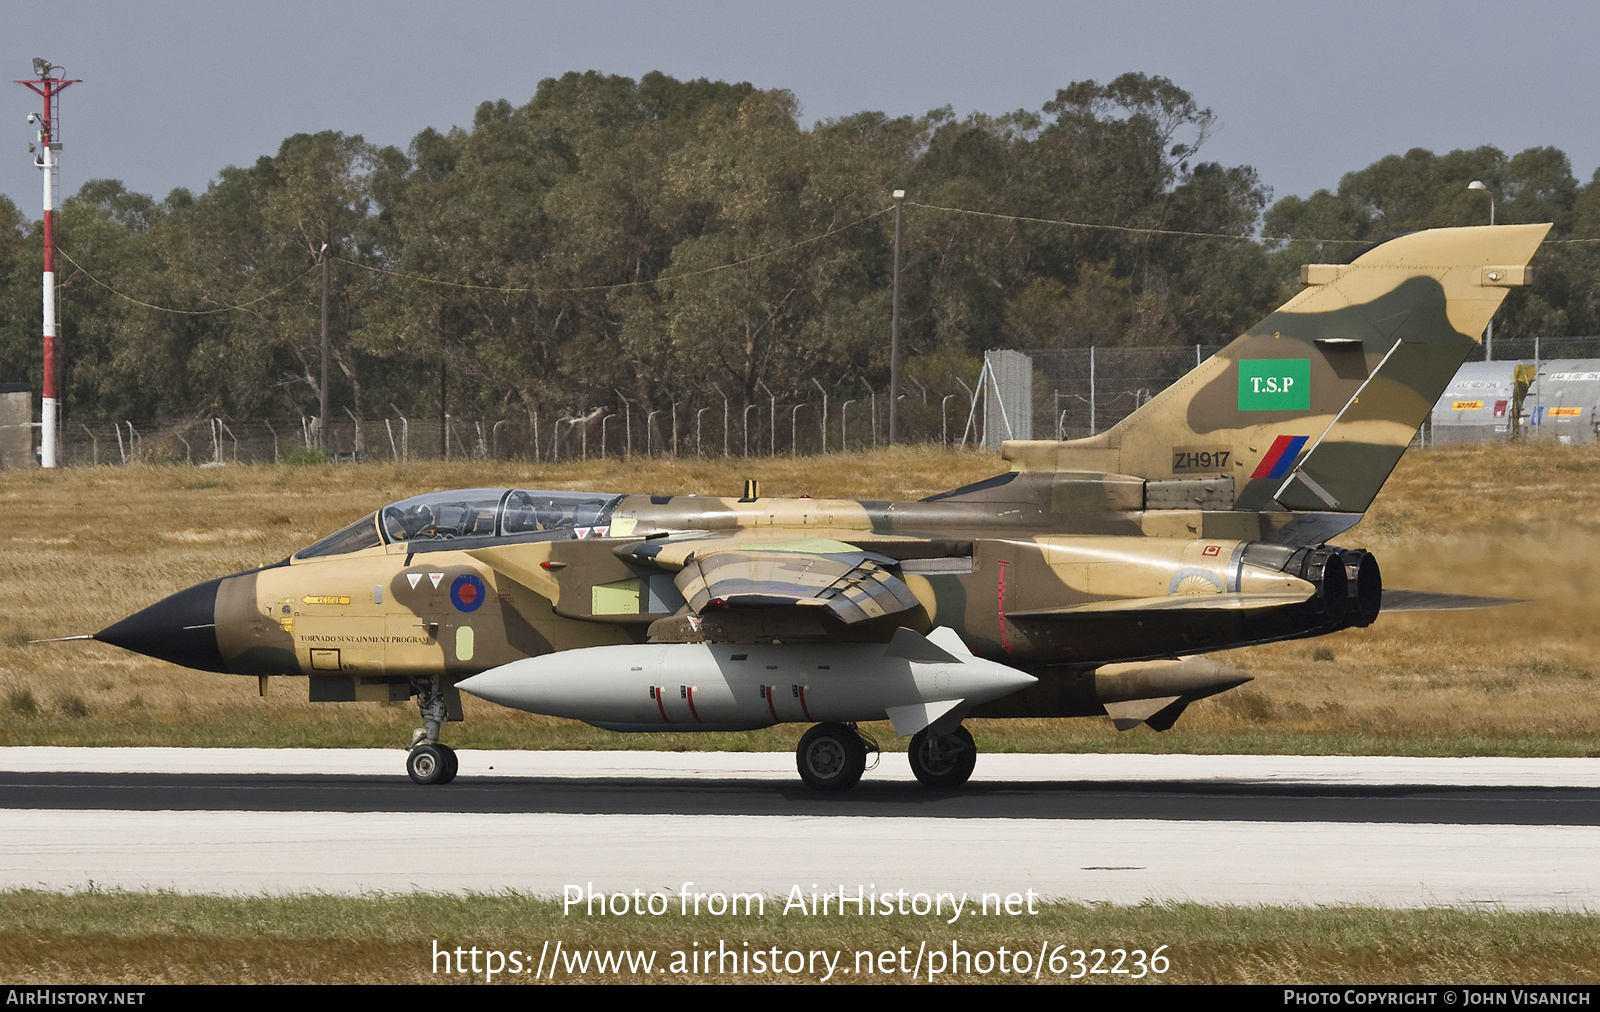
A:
432, 763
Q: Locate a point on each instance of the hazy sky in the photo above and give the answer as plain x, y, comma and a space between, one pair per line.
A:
172, 92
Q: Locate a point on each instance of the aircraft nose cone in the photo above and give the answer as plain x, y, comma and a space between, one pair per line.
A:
181, 629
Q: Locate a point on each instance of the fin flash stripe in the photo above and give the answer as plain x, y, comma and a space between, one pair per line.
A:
1280, 457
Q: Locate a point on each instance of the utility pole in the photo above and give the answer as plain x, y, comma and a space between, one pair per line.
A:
1488, 334
322, 394
894, 328
47, 158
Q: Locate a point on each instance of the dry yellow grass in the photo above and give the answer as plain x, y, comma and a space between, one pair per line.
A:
87, 546
138, 938
1500, 520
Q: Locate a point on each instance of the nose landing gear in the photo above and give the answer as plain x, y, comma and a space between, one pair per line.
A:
429, 761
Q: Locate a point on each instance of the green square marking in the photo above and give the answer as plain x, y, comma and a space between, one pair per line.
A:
619, 598
1274, 384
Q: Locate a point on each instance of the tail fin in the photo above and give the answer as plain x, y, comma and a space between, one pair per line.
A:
1312, 407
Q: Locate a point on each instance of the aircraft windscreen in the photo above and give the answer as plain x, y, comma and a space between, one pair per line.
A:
361, 534
493, 512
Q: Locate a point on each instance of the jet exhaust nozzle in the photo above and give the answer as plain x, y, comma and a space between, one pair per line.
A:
1325, 568
1366, 587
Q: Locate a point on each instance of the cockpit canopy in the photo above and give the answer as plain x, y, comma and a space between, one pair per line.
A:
477, 513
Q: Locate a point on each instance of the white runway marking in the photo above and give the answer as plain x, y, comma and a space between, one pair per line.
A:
1122, 861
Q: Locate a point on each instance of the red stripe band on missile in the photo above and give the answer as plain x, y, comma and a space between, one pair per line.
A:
1280, 456
661, 691
803, 708
688, 693
771, 708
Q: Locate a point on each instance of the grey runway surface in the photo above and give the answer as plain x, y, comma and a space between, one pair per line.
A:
1233, 829
1204, 800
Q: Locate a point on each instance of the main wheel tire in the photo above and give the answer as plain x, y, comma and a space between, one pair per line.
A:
452, 764
946, 761
426, 764
831, 757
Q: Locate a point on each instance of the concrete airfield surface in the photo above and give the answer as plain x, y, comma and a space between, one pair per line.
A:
1388, 831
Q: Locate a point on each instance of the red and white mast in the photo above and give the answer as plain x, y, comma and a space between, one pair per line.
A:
46, 157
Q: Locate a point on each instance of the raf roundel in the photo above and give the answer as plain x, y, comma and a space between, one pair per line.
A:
467, 593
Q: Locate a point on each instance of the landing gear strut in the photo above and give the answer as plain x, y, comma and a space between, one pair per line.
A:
832, 757
943, 762
430, 762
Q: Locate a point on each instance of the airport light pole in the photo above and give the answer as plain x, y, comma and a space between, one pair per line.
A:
1488, 334
894, 325
47, 158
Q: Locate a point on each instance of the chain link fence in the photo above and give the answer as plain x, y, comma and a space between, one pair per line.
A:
1075, 393
215, 441
1539, 349
1080, 392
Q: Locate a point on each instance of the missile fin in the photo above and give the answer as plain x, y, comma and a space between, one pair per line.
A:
914, 717
912, 646
1130, 713
947, 638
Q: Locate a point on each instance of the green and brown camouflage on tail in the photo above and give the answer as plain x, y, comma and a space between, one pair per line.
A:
1311, 408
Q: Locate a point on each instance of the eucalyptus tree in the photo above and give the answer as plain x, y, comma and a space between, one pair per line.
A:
1419, 189
251, 245
787, 210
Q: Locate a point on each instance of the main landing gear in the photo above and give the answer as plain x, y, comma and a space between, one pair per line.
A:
832, 757
429, 761
943, 762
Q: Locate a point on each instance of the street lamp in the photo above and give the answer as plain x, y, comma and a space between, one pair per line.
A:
1488, 334
894, 327
1477, 184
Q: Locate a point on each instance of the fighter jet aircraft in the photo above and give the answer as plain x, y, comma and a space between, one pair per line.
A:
1085, 581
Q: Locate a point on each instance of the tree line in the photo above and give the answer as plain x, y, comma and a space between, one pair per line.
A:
656, 242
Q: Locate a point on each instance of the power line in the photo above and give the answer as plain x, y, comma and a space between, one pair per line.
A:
480, 288
183, 312
530, 289
1130, 229
624, 284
